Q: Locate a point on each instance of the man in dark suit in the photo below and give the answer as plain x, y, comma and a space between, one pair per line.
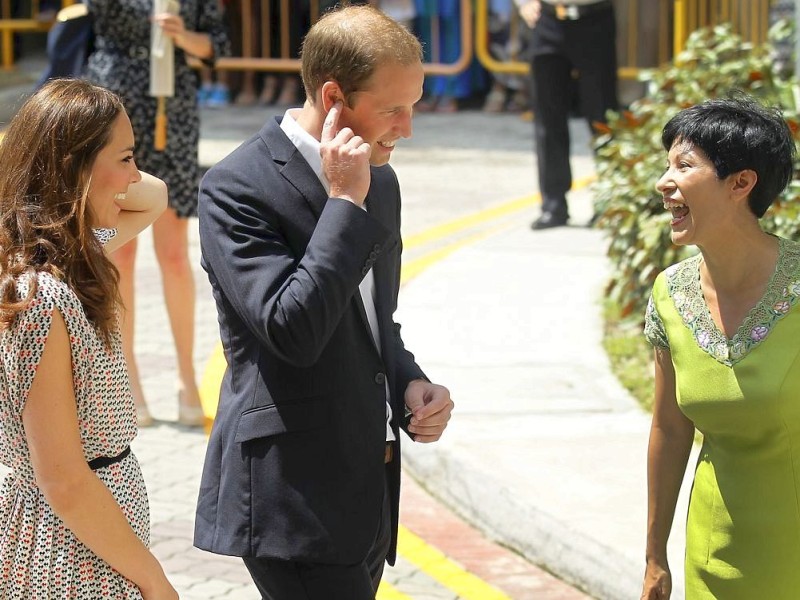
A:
300, 236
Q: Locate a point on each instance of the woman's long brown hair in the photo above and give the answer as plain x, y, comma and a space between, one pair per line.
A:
46, 159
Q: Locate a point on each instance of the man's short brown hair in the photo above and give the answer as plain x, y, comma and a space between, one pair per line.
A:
347, 44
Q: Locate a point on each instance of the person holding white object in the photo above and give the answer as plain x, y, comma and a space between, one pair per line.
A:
121, 62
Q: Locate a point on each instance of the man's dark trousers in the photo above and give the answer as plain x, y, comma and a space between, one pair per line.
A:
291, 580
586, 46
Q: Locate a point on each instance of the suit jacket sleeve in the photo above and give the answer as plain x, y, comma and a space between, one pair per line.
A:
254, 230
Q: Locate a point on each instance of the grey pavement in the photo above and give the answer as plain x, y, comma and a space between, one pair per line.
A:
546, 452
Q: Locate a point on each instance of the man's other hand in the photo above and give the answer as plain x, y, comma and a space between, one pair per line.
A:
430, 405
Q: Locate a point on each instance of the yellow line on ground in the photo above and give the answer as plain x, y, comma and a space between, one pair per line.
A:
412, 268
387, 592
210, 383
437, 566
446, 229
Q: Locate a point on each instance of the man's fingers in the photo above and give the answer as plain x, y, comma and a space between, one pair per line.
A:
329, 127
430, 427
437, 404
439, 415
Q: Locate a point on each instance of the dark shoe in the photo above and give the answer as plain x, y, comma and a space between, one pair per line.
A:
548, 220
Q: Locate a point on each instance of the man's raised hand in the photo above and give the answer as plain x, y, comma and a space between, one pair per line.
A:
345, 159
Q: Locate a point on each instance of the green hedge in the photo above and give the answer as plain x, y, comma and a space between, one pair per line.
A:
630, 158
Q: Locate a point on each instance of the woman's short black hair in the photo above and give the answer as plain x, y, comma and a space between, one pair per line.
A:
738, 133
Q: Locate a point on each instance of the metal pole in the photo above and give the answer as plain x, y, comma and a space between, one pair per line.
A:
796, 87
796, 39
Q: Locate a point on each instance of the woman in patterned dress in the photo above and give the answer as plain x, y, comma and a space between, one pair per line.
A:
725, 325
121, 63
74, 517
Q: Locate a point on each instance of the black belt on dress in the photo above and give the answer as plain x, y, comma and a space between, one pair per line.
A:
104, 461
133, 52
564, 11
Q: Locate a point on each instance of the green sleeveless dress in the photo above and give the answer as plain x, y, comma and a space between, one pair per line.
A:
743, 394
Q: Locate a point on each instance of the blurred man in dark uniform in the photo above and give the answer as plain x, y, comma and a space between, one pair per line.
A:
567, 40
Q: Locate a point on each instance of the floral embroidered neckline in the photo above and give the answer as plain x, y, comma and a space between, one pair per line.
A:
781, 294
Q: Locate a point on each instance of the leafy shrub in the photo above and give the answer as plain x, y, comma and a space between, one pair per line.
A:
630, 158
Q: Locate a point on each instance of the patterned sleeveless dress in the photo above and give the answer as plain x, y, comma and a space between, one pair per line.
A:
40, 557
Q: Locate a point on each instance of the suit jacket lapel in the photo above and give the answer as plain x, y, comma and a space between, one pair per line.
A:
377, 205
295, 168
298, 173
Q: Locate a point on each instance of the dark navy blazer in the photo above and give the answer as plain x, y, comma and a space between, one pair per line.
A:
295, 462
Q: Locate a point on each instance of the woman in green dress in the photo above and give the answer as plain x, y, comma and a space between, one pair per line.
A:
725, 326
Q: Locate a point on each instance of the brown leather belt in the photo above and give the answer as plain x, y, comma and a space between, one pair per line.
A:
389, 453
564, 11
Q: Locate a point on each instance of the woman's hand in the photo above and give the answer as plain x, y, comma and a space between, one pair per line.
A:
657, 582
159, 589
164, 592
192, 42
173, 26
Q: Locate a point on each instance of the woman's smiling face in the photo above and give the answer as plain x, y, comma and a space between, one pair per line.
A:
692, 192
112, 172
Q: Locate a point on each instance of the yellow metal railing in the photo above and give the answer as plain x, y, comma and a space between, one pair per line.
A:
674, 21
650, 32
10, 24
750, 18
254, 59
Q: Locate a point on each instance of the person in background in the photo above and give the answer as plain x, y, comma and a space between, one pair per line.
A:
302, 472
725, 326
439, 27
121, 62
214, 91
577, 37
74, 518
69, 43
282, 89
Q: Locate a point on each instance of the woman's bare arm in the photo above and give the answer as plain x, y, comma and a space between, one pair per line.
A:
73, 490
145, 202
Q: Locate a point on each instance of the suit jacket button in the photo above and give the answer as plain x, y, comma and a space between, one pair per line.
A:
365, 270
380, 378
376, 248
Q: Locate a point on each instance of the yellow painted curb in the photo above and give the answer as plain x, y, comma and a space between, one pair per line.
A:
440, 568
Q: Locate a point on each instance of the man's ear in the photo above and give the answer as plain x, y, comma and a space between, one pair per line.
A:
743, 182
330, 94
